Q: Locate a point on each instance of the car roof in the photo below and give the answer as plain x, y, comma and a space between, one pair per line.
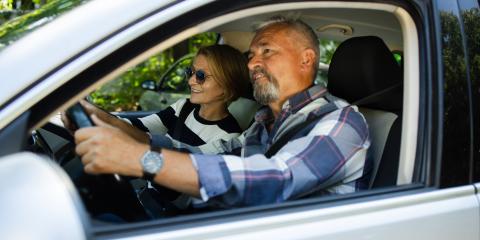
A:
336, 24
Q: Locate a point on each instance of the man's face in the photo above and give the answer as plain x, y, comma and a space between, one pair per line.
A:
273, 63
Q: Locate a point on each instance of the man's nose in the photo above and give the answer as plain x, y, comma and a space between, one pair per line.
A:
254, 62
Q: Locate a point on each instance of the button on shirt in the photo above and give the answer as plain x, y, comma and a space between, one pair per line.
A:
326, 156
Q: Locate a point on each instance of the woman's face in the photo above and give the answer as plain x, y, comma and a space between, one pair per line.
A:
208, 92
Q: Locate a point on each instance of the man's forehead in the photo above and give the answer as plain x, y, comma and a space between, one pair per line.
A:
266, 37
261, 42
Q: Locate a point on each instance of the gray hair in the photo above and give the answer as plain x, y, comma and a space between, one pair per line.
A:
300, 27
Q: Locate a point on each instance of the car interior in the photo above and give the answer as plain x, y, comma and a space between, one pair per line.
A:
362, 70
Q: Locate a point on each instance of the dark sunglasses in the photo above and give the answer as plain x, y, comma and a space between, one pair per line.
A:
200, 75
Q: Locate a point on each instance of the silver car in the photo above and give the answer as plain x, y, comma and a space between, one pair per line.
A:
424, 120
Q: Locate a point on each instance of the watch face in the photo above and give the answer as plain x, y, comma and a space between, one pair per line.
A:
152, 162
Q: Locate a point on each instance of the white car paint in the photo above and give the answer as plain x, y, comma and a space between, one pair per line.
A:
38, 200
440, 215
428, 214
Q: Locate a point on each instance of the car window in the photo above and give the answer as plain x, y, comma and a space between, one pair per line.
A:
470, 15
456, 151
174, 78
166, 70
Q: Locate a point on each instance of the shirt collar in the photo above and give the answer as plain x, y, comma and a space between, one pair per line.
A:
301, 99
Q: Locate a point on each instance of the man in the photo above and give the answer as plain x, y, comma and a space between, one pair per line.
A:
327, 155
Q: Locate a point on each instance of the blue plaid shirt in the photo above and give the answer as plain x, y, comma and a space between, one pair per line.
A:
326, 156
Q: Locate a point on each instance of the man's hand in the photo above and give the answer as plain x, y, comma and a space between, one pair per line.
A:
107, 149
109, 119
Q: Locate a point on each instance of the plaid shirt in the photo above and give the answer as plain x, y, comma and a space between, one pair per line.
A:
326, 156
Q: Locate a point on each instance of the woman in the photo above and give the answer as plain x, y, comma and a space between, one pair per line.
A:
218, 76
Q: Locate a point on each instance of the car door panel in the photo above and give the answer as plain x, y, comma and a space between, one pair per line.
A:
13, 137
444, 214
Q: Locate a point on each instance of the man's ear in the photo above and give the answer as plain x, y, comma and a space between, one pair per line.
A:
308, 58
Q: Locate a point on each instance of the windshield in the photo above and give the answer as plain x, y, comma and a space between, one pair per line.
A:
18, 27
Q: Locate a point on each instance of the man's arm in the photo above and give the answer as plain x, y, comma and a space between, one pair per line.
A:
332, 154
107, 149
178, 173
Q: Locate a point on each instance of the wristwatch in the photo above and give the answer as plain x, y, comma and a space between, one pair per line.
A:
151, 162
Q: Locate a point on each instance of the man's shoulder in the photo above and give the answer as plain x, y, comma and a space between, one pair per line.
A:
346, 120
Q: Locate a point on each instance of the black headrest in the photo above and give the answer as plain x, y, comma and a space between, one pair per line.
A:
362, 67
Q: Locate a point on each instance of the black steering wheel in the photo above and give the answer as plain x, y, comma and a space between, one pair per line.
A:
102, 194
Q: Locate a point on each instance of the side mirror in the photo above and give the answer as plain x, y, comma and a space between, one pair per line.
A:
149, 85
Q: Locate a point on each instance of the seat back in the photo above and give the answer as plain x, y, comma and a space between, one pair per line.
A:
383, 126
244, 109
364, 72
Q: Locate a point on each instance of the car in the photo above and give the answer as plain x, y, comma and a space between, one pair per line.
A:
422, 112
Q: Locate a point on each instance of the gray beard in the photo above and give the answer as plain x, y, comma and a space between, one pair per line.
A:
267, 92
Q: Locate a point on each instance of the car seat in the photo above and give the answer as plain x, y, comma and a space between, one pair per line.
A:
364, 72
243, 109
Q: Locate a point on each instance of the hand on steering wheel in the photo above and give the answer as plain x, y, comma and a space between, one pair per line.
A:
101, 193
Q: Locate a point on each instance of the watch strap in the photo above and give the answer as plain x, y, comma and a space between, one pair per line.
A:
148, 176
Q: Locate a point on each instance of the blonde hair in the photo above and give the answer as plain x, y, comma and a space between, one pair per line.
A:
229, 68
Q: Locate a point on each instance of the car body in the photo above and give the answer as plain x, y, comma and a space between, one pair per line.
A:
435, 194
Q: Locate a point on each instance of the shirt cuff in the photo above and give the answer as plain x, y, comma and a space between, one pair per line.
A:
213, 174
158, 141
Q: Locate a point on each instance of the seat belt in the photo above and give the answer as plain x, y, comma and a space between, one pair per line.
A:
376, 96
286, 137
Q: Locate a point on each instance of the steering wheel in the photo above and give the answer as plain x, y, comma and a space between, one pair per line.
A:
101, 194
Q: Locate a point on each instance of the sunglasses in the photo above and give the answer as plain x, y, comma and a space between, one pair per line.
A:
200, 75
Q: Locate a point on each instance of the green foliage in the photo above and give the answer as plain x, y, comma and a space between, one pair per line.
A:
6, 4
123, 93
327, 48
398, 57
200, 40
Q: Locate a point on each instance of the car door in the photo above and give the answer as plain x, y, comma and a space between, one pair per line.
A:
439, 202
